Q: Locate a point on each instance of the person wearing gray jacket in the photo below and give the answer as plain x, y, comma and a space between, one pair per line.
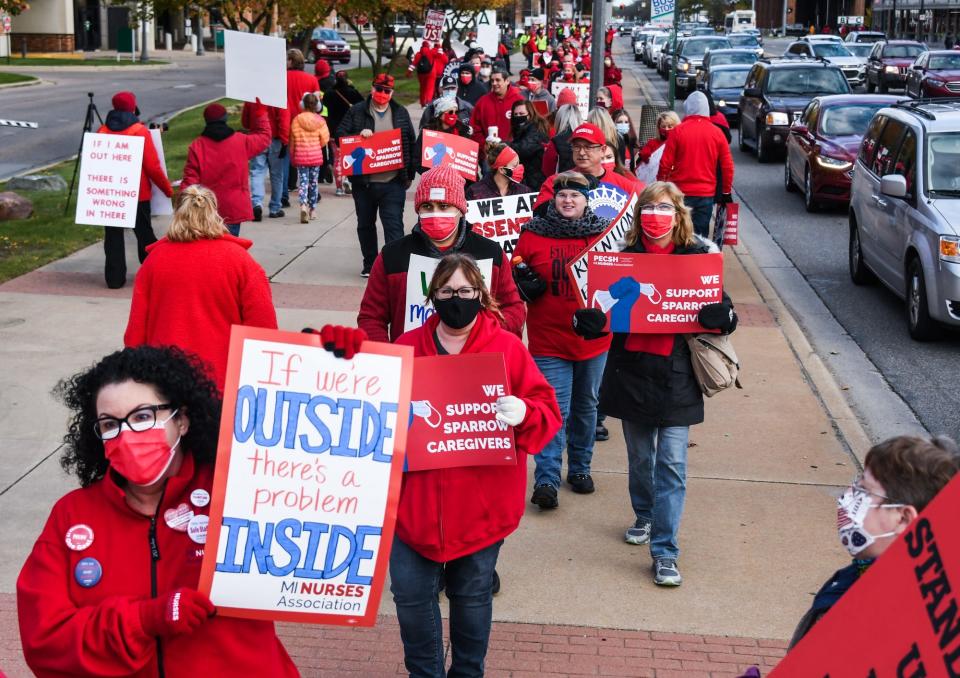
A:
537, 90
448, 89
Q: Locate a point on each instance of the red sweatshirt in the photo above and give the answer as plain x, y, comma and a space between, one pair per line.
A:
490, 110
611, 178
188, 294
450, 513
152, 170
68, 630
693, 151
550, 317
279, 120
298, 84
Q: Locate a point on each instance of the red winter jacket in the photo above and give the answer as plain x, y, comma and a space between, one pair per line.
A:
152, 170
188, 294
298, 84
690, 158
490, 110
383, 309
223, 167
650, 148
68, 630
612, 178
279, 120
446, 514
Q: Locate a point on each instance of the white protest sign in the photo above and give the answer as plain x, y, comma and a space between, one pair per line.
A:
611, 240
110, 167
419, 271
646, 172
488, 33
256, 66
307, 482
159, 203
581, 89
500, 219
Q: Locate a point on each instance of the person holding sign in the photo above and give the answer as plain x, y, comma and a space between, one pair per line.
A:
110, 588
573, 367
482, 505
506, 175
124, 120
446, 120
648, 384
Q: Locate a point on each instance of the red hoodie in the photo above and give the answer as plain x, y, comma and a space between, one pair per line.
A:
449, 513
490, 110
691, 155
68, 630
279, 120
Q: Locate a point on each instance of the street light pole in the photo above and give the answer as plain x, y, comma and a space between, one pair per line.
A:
596, 49
144, 57
199, 31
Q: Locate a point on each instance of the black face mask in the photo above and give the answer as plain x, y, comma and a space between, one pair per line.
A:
456, 312
518, 123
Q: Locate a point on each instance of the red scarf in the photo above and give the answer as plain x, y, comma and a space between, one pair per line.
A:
656, 344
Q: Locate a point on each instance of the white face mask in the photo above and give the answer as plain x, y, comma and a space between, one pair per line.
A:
485, 71
449, 94
852, 508
623, 127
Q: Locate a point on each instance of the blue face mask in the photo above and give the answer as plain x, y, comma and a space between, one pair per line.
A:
449, 94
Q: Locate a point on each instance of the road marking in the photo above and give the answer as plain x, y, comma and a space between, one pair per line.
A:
18, 123
189, 85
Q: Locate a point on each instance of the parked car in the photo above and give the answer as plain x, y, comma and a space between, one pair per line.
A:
746, 41
725, 57
326, 43
651, 49
868, 37
703, 30
775, 94
755, 32
905, 211
934, 74
889, 62
641, 41
835, 52
725, 84
861, 50
665, 56
625, 27
822, 146
690, 56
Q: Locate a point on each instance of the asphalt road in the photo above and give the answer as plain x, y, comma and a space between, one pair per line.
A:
873, 316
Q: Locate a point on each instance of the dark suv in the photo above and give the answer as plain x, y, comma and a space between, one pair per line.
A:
775, 94
889, 62
689, 58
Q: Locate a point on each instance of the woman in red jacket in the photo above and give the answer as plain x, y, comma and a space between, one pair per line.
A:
110, 588
423, 64
198, 281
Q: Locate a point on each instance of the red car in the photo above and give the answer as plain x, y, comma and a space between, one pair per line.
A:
326, 43
823, 143
935, 74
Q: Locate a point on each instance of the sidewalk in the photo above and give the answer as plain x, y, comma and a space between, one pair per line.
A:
758, 535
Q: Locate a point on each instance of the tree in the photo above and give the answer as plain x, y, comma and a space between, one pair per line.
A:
380, 14
13, 7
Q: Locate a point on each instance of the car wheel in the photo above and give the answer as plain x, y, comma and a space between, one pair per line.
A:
763, 153
919, 323
871, 88
859, 273
787, 179
809, 203
741, 142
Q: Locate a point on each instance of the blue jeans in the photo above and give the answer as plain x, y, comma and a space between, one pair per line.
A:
285, 179
277, 178
576, 383
234, 229
701, 209
414, 583
657, 459
387, 198
258, 173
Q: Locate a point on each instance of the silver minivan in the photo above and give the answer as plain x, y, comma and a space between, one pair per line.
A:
905, 211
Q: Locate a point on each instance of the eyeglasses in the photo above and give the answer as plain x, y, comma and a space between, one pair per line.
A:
857, 486
657, 207
584, 149
141, 419
381, 88
445, 293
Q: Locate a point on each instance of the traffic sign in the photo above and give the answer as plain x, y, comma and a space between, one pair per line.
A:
5, 23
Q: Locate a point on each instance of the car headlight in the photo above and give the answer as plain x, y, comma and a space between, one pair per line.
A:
935, 82
683, 67
833, 163
775, 118
950, 249
891, 69
722, 103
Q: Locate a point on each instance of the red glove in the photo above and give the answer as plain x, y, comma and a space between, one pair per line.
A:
344, 342
173, 614
259, 109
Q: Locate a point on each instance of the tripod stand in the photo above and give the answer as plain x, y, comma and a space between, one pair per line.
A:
87, 127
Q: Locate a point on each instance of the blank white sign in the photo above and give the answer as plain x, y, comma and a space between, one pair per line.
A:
256, 66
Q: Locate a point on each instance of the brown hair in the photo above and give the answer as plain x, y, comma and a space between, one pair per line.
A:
310, 102
533, 116
570, 179
618, 166
911, 469
682, 234
493, 151
196, 216
460, 261
295, 57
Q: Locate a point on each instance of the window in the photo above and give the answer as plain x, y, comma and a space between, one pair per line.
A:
876, 51
945, 62
903, 51
754, 78
732, 58
943, 165
813, 80
887, 144
906, 163
831, 49
727, 79
811, 114
870, 139
797, 48
848, 119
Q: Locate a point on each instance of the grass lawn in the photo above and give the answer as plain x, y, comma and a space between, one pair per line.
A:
53, 61
48, 235
10, 78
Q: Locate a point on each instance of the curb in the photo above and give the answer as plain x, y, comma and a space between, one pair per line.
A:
88, 69
29, 83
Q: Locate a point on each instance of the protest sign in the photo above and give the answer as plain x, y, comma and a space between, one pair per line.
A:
255, 67
611, 240
500, 219
110, 166
901, 617
488, 32
419, 272
454, 421
460, 153
581, 89
652, 293
159, 203
379, 152
433, 26
307, 481
731, 224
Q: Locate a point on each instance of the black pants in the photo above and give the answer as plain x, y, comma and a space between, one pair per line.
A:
115, 267
387, 199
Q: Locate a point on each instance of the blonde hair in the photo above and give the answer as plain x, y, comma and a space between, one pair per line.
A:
668, 116
682, 234
601, 118
196, 216
460, 261
295, 57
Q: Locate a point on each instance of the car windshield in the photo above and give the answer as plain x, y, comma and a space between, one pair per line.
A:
732, 58
743, 41
943, 164
325, 34
702, 31
697, 48
830, 49
871, 37
903, 51
658, 39
807, 81
847, 119
860, 49
728, 79
944, 62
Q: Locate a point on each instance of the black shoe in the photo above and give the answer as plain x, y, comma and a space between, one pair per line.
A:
496, 583
545, 496
278, 214
365, 273
602, 433
285, 202
257, 213
581, 483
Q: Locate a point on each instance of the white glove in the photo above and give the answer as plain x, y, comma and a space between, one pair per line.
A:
511, 410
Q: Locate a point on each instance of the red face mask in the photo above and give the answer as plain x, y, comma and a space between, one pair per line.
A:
381, 98
655, 225
438, 226
449, 118
141, 457
608, 165
465, 78
516, 174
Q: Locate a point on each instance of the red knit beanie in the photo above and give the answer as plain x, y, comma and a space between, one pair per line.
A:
565, 97
125, 101
214, 112
443, 184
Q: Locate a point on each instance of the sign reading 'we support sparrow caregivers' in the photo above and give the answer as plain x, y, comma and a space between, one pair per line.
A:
307, 481
379, 152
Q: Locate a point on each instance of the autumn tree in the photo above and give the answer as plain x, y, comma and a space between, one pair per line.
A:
13, 7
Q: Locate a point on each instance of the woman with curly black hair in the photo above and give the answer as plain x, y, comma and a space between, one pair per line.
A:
110, 586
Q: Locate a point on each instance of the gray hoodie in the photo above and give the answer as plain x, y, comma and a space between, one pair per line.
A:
697, 104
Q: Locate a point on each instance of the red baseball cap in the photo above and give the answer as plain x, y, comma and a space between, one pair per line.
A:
589, 132
383, 80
